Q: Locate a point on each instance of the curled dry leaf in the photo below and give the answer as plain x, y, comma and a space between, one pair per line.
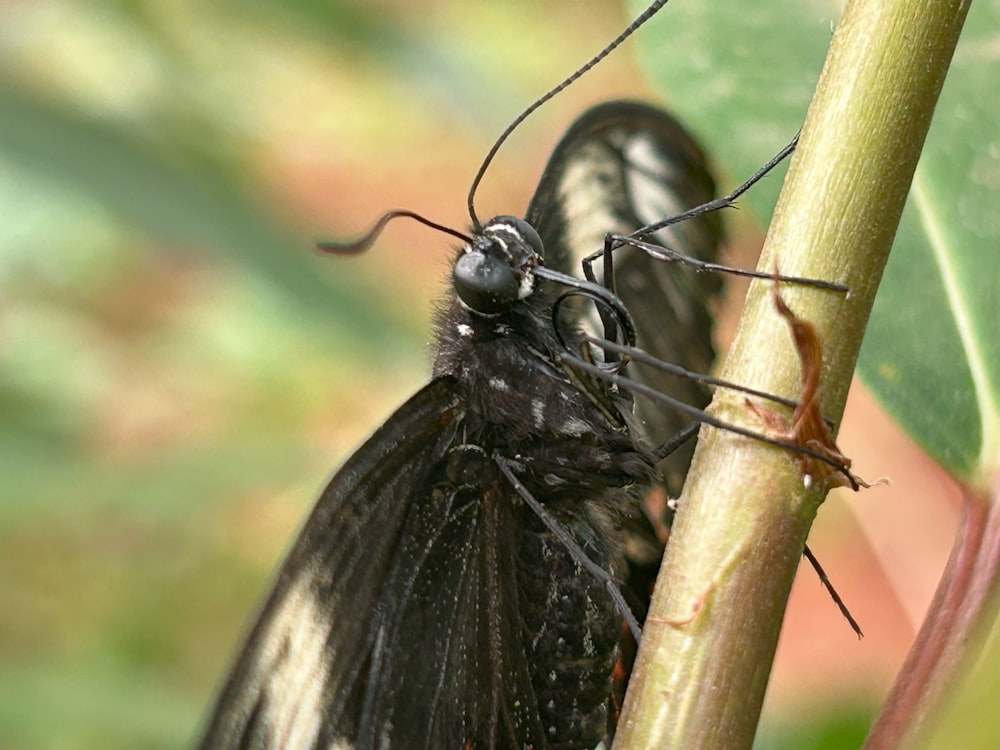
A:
807, 426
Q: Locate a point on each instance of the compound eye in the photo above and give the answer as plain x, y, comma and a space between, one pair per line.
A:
486, 284
526, 231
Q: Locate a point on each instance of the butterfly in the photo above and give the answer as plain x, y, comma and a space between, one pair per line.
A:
459, 583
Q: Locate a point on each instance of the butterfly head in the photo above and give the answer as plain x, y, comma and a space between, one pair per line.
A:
495, 271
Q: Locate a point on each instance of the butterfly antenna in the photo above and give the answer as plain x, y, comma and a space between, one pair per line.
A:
632, 27
365, 241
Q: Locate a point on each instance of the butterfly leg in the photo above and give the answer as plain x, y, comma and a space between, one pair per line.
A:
560, 532
660, 251
676, 441
607, 319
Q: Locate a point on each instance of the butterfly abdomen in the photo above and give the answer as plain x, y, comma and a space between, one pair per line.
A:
571, 628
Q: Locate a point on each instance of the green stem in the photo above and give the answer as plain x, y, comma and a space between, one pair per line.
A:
711, 633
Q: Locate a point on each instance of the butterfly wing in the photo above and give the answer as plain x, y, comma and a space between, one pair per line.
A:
402, 619
622, 166
302, 677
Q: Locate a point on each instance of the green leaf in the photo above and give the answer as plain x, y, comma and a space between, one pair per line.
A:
932, 351
931, 355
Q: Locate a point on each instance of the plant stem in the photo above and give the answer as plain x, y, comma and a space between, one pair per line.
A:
965, 602
712, 630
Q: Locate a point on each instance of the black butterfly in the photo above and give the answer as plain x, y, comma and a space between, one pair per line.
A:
458, 583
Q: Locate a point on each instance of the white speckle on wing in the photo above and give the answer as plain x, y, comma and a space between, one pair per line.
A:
574, 426
538, 411
538, 636
464, 330
499, 384
552, 596
291, 668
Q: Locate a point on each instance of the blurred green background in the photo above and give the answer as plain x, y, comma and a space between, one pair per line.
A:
179, 370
